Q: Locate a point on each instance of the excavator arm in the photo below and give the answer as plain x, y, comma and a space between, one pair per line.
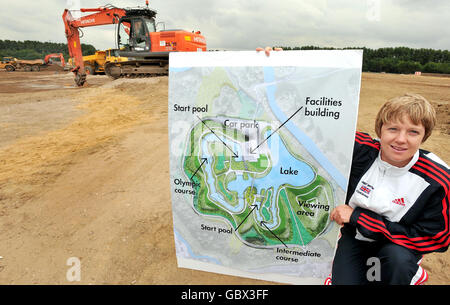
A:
99, 16
55, 55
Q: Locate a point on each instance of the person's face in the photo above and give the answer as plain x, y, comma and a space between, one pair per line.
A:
400, 140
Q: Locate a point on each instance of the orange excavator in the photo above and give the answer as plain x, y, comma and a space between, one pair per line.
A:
55, 55
137, 39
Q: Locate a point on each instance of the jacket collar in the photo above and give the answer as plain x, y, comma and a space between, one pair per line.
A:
394, 170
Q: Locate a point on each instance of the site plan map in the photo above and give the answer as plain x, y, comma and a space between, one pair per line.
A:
260, 153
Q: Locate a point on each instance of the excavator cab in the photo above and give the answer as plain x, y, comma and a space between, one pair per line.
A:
134, 30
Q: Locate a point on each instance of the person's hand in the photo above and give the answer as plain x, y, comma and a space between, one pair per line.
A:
341, 214
267, 50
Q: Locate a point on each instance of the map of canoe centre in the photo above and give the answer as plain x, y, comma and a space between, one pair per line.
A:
260, 153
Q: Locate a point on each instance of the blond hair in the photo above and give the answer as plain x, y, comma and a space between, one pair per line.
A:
418, 109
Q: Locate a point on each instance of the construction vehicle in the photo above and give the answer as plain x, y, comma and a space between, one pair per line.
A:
8, 63
12, 64
95, 64
49, 58
137, 39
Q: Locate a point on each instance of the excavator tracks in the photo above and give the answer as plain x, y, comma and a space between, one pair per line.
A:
137, 69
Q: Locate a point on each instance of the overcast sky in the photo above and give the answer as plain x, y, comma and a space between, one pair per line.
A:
246, 24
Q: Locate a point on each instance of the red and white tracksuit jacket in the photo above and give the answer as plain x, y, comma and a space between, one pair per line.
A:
408, 206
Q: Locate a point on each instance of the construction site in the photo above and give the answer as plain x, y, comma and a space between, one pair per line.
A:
84, 165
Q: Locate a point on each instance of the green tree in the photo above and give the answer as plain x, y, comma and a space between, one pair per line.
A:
30, 49
398, 59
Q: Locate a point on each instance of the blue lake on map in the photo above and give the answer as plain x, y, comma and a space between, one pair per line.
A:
273, 179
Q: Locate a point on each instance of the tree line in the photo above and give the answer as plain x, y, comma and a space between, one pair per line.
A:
391, 60
30, 49
398, 60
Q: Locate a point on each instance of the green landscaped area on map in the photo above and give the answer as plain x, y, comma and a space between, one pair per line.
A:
302, 212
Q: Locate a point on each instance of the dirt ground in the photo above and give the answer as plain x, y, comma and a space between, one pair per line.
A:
84, 172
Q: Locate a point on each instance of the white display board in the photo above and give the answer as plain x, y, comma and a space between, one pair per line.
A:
260, 153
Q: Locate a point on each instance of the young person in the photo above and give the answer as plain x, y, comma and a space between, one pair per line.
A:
397, 206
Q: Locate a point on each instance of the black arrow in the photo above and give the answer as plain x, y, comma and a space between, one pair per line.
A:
235, 155
204, 160
264, 224
254, 207
251, 151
